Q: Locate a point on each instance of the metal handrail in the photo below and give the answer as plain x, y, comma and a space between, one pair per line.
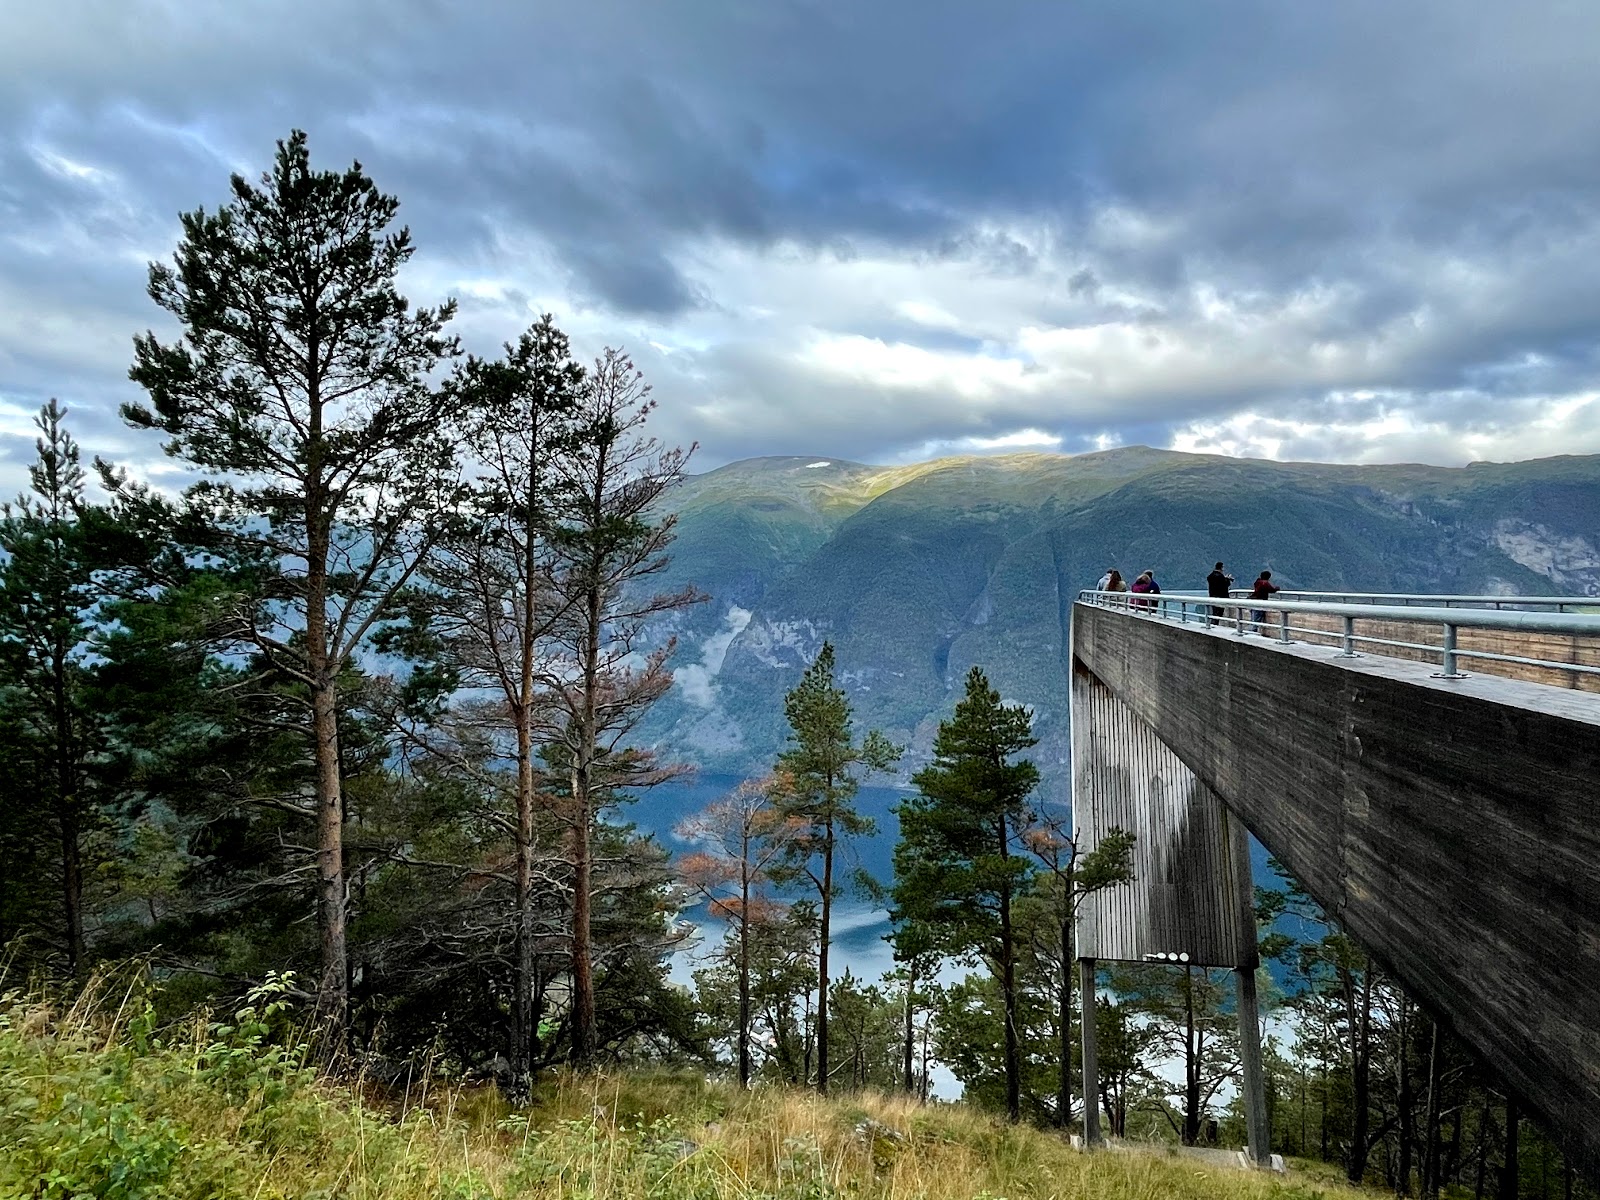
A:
1408, 599
1162, 605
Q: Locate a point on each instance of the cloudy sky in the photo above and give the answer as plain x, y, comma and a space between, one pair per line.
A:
875, 229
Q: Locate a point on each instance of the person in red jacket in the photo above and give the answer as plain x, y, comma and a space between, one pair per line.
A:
1144, 585
1263, 589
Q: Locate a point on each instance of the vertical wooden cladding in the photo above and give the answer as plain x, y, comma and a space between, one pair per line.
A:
1452, 828
1191, 871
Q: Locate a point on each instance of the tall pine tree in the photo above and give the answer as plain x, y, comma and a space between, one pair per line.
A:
47, 594
609, 541
300, 388
490, 598
957, 866
818, 777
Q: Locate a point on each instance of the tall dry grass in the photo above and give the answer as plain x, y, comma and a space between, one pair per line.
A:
97, 1101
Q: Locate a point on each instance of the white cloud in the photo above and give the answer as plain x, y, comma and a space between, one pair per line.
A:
1007, 443
697, 680
812, 257
1535, 427
898, 366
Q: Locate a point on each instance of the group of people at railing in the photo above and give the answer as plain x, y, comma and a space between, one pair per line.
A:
1219, 585
1144, 586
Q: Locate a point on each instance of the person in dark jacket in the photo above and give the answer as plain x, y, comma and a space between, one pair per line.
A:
1217, 585
1263, 589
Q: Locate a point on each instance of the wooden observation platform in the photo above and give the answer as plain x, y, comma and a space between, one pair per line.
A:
1427, 767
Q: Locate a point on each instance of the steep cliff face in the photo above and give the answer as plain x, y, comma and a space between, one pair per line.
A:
917, 573
1570, 561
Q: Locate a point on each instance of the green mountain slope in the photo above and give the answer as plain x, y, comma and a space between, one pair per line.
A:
915, 573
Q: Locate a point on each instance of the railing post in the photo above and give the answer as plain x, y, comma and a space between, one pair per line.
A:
1349, 650
1448, 667
1283, 628
1238, 621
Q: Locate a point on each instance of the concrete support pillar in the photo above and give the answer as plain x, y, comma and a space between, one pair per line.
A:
1255, 1095
1091, 1065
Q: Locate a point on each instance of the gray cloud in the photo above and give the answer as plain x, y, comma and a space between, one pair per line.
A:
1358, 230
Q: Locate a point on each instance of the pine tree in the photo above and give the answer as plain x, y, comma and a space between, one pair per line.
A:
1071, 878
47, 596
956, 866
917, 953
818, 781
301, 389
1191, 1022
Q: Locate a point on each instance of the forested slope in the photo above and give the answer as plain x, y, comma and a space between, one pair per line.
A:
917, 573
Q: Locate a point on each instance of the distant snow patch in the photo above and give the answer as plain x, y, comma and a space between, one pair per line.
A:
823, 463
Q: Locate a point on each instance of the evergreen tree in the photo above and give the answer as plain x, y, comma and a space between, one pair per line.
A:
1190, 1021
301, 389
1071, 877
48, 594
782, 969
917, 954
957, 865
1122, 1049
972, 1016
865, 1032
817, 784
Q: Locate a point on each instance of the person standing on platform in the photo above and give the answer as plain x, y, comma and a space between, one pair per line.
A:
1217, 585
1263, 589
1144, 585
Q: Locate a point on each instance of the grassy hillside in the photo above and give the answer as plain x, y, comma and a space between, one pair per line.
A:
917, 572
111, 1107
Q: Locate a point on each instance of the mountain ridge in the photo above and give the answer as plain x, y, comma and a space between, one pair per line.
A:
917, 572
